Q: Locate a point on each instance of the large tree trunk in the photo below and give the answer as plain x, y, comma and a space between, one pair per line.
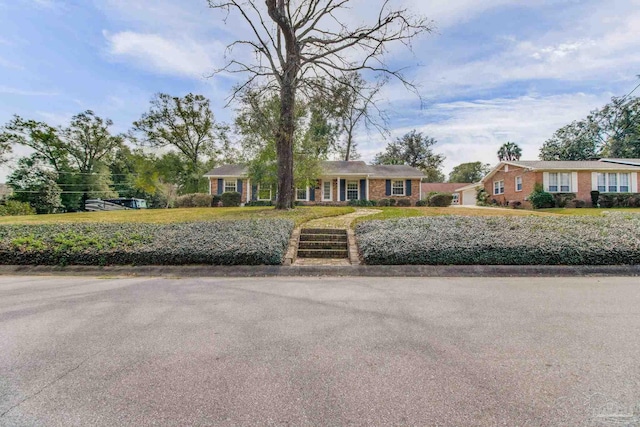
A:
284, 145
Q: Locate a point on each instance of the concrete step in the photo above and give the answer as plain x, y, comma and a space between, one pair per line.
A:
323, 237
337, 231
323, 253
311, 244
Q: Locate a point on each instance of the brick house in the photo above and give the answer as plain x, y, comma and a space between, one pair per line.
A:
340, 182
515, 180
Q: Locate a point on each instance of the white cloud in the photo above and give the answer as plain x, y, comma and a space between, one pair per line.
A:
469, 131
156, 53
14, 91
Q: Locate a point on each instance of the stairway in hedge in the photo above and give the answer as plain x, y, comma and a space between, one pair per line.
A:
323, 243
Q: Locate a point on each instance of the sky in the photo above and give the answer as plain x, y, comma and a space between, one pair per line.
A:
492, 71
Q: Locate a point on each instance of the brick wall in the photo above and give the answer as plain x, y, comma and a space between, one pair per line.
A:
378, 189
213, 188
529, 178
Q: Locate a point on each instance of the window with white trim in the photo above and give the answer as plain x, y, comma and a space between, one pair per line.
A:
327, 190
352, 190
397, 187
264, 192
302, 194
559, 182
614, 182
498, 187
230, 186
518, 183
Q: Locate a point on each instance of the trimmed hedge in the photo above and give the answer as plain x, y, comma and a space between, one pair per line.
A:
231, 199
440, 200
245, 242
194, 200
14, 207
455, 240
619, 200
362, 203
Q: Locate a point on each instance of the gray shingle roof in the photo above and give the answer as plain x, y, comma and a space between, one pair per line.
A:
228, 170
570, 165
335, 168
634, 162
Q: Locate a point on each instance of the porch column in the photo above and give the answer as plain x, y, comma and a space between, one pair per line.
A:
338, 188
368, 189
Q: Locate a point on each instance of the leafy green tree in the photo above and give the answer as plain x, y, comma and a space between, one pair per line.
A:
34, 183
5, 149
255, 122
77, 153
414, 149
611, 131
510, 151
469, 172
186, 124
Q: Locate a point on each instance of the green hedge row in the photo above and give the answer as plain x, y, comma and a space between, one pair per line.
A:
246, 242
454, 240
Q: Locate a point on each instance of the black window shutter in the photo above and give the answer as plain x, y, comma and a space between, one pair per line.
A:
220, 186
408, 189
388, 187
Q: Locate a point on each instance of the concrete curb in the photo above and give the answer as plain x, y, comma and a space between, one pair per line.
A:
314, 271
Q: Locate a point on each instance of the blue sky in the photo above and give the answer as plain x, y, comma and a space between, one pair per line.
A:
494, 71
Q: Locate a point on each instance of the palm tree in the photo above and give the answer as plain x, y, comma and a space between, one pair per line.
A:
509, 151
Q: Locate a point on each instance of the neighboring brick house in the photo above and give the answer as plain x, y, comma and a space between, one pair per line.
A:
515, 180
340, 181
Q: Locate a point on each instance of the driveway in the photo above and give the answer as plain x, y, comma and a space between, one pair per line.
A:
319, 351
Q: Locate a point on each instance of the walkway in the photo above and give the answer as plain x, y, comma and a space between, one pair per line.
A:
341, 221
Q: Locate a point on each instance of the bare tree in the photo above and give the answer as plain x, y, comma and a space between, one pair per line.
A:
358, 106
298, 44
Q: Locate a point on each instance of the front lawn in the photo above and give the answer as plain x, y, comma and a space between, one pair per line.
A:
162, 216
502, 240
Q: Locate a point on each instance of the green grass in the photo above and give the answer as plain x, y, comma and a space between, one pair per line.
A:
588, 211
162, 216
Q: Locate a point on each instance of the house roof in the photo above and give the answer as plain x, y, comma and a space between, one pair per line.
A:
442, 187
334, 168
395, 171
228, 170
568, 164
469, 186
563, 165
634, 162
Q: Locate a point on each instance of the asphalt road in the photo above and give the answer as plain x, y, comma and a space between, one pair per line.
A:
319, 351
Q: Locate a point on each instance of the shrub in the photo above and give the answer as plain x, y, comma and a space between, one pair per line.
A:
362, 203
562, 200
422, 202
194, 200
577, 203
216, 201
404, 202
482, 197
619, 200
595, 195
247, 242
541, 200
531, 240
392, 202
14, 207
384, 202
259, 203
440, 200
515, 204
231, 199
